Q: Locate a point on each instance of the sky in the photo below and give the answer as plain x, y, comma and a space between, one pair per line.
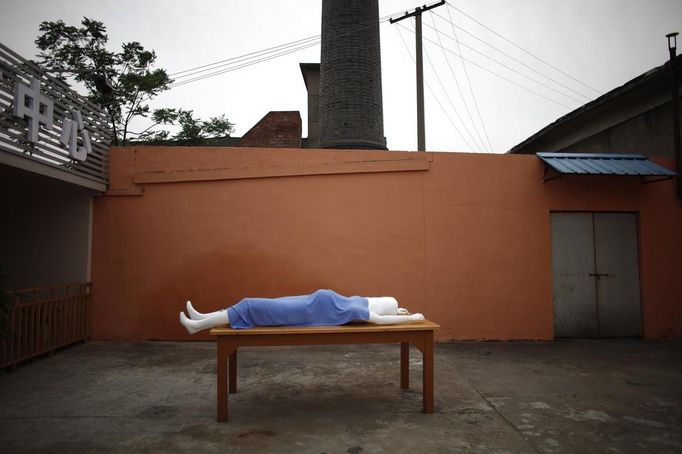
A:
496, 71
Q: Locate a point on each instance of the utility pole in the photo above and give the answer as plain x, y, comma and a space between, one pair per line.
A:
672, 47
417, 13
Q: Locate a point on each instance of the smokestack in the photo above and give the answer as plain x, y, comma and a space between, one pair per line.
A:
351, 110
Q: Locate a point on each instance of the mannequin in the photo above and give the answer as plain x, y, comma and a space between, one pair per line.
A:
323, 307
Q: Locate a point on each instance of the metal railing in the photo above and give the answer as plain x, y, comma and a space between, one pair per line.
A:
45, 319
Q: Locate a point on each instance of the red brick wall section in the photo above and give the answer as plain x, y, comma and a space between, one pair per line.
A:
275, 130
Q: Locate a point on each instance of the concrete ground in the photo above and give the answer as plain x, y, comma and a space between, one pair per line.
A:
567, 396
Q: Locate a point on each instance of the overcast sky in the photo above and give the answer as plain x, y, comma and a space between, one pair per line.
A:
591, 44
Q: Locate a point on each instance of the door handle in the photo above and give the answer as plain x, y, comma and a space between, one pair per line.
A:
598, 275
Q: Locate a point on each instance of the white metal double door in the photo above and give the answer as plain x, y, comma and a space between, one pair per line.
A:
595, 266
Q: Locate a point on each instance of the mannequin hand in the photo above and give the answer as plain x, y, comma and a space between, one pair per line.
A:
417, 317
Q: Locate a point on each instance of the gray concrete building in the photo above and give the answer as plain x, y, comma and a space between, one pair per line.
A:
311, 78
633, 118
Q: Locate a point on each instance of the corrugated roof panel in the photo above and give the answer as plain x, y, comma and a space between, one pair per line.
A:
615, 166
604, 164
643, 167
636, 167
649, 167
565, 166
594, 166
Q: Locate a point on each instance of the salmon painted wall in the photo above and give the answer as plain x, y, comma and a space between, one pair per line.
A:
463, 238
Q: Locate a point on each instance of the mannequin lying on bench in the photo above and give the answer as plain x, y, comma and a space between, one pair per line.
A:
321, 308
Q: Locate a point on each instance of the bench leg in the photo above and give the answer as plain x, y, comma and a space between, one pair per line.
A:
222, 379
404, 365
427, 355
233, 372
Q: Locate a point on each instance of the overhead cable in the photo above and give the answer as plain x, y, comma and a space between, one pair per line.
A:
224, 70
432, 93
504, 65
511, 57
251, 58
459, 89
524, 50
496, 74
435, 73
471, 89
258, 53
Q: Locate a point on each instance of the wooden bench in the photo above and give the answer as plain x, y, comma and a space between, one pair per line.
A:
420, 334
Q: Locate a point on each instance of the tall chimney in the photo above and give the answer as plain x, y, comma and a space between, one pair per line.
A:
351, 111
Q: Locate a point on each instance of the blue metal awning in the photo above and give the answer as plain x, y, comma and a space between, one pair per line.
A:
603, 164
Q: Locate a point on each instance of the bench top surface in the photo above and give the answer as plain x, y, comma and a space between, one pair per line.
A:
425, 325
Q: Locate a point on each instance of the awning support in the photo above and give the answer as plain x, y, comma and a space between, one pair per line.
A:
655, 180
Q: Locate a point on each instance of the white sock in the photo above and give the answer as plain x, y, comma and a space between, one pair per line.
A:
196, 315
193, 313
194, 326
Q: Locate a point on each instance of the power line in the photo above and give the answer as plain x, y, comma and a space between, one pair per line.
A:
259, 56
450, 21
244, 65
432, 94
498, 75
524, 50
273, 49
473, 139
514, 70
471, 89
459, 89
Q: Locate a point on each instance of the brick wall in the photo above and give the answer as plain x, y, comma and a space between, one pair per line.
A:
351, 110
275, 130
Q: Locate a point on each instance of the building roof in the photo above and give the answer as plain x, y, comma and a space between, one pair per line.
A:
604, 164
659, 74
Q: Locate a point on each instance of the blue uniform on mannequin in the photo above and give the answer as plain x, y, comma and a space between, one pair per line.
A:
324, 307
321, 308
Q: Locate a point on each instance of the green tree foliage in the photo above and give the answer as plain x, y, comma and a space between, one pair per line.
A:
122, 82
192, 130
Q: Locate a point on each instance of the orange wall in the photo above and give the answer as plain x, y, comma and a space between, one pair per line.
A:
463, 238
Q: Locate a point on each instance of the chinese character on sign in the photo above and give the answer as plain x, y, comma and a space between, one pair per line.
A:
70, 128
29, 102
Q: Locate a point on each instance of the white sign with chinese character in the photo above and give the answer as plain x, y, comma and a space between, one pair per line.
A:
44, 122
70, 129
38, 109
31, 104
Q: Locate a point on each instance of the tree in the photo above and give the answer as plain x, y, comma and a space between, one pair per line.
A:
122, 82
192, 130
